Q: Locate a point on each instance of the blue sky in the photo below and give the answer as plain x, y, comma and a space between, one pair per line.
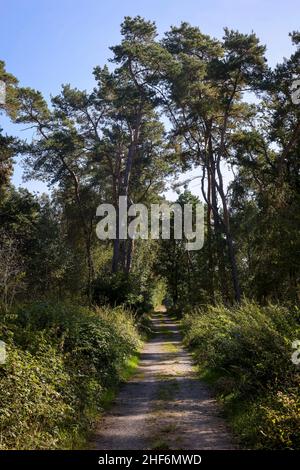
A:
46, 43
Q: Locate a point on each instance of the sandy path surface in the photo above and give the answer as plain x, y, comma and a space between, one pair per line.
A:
164, 405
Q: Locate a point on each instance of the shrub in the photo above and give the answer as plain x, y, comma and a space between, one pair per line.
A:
122, 289
61, 360
34, 406
246, 352
112, 289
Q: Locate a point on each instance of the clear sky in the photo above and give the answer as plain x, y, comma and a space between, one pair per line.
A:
49, 42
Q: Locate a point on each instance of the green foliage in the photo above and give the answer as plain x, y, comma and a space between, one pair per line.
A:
62, 359
35, 406
134, 288
92, 147
159, 293
247, 351
34, 228
11, 104
113, 289
184, 272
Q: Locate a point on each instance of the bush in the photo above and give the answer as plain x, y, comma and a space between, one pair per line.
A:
112, 289
34, 406
61, 360
246, 352
122, 289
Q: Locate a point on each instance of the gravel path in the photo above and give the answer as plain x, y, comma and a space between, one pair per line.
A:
165, 405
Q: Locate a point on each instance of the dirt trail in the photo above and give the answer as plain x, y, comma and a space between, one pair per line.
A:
164, 406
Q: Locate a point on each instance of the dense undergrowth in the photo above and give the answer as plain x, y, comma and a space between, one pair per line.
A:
245, 353
63, 361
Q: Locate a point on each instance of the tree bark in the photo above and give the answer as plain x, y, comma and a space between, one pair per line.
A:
229, 239
86, 229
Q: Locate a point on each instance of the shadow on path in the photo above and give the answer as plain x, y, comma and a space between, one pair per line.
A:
164, 405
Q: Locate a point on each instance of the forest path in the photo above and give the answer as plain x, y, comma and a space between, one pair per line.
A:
164, 405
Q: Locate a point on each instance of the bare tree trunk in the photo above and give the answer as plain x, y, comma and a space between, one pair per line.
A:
234, 271
120, 246
209, 239
218, 230
129, 254
115, 259
229, 239
87, 229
